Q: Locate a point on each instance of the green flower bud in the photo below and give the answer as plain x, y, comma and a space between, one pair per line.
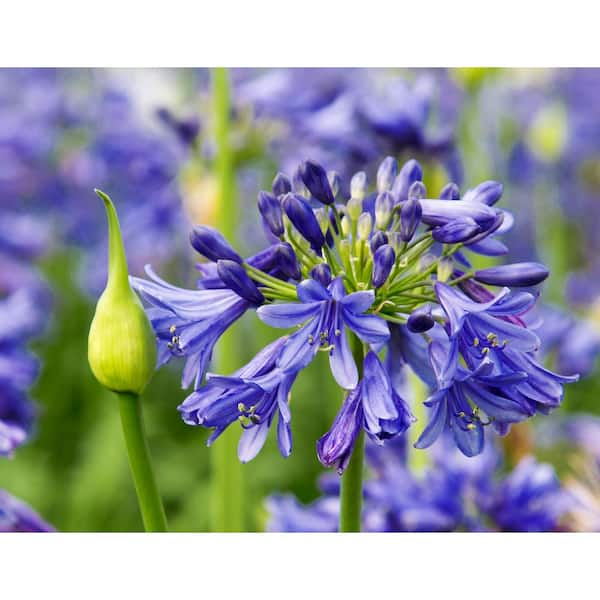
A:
445, 268
365, 225
354, 208
121, 344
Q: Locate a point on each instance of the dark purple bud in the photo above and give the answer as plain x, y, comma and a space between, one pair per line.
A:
270, 209
322, 274
420, 321
378, 239
281, 184
287, 262
386, 174
383, 261
237, 280
409, 173
315, 179
456, 231
304, 220
450, 192
384, 206
491, 229
440, 212
417, 191
410, 217
518, 274
211, 244
488, 192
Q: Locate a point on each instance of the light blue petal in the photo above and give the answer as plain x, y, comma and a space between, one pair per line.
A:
287, 314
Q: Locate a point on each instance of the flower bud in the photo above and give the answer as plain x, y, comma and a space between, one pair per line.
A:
383, 261
334, 182
386, 174
384, 206
456, 231
304, 220
121, 344
212, 245
410, 217
450, 192
365, 225
315, 179
322, 274
379, 238
234, 276
281, 185
417, 191
354, 208
409, 173
488, 192
323, 220
445, 268
358, 186
420, 321
298, 186
346, 226
517, 274
270, 209
287, 262
440, 212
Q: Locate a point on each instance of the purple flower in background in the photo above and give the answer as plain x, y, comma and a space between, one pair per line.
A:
454, 493
19, 319
18, 517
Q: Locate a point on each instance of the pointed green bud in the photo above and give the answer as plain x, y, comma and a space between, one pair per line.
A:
121, 344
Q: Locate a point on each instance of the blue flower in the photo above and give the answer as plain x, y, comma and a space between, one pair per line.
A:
325, 313
530, 498
375, 406
188, 323
501, 377
19, 319
252, 396
16, 516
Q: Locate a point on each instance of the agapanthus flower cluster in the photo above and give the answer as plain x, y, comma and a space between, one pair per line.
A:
453, 494
386, 273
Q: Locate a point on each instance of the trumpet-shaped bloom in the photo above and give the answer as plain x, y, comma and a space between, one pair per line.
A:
252, 396
188, 323
375, 406
325, 312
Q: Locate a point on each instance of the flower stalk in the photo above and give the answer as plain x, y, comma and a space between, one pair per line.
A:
351, 495
227, 476
153, 513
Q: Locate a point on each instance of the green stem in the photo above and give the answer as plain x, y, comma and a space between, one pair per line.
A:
227, 477
352, 480
418, 459
153, 513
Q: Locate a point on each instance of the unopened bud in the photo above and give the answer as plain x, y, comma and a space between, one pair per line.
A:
121, 344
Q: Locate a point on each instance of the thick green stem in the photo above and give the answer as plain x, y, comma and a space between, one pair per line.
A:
227, 477
352, 480
153, 513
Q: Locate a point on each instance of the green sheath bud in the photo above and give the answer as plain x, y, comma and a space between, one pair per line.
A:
121, 344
